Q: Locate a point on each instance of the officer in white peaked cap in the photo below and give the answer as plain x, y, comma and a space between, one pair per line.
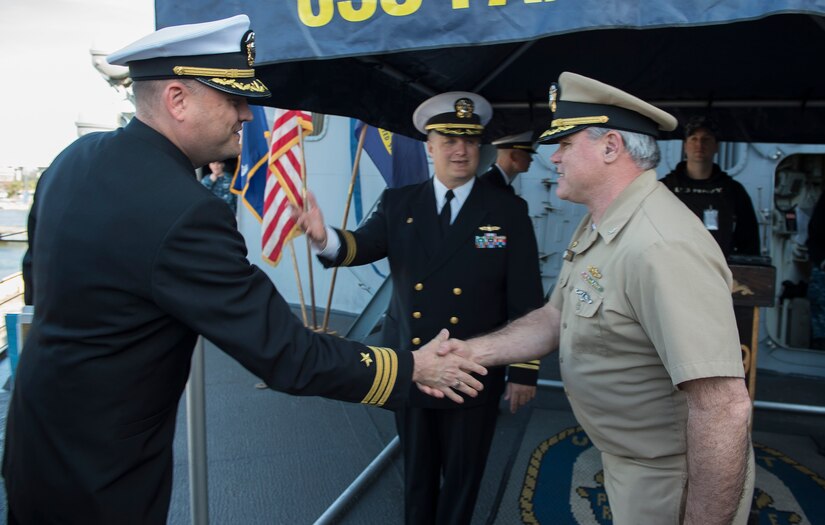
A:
453, 113
453, 243
220, 54
514, 155
133, 258
643, 320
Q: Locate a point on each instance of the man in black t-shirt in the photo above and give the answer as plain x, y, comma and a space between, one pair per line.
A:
719, 201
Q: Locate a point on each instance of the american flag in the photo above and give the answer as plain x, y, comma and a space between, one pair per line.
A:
283, 181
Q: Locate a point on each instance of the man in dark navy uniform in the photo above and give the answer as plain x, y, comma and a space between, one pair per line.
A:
463, 255
720, 202
132, 259
514, 156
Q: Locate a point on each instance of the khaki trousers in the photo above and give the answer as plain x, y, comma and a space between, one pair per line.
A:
645, 491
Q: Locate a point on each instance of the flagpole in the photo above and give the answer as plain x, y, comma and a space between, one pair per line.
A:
309, 247
355, 165
298, 280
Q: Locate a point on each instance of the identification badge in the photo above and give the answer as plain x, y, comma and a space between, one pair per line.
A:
711, 219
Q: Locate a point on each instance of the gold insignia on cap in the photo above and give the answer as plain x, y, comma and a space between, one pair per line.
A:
552, 131
464, 108
189, 71
489, 228
248, 45
554, 95
580, 121
257, 86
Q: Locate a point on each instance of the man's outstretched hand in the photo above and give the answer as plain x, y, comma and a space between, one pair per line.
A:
311, 221
455, 346
440, 373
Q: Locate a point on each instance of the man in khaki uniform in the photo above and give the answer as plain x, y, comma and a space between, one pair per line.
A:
643, 318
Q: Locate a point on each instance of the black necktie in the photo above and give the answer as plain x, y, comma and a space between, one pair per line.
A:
446, 213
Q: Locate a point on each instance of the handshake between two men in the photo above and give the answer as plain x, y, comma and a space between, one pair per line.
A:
442, 370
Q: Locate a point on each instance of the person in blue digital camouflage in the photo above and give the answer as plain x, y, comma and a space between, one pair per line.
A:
816, 282
219, 181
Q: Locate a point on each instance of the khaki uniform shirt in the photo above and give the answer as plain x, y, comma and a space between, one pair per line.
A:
645, 305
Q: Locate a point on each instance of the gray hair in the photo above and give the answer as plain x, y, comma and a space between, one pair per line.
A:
643, 149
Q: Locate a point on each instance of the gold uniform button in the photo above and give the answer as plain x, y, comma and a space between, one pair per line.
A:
416, 340
417, 315
453, 320
574, 244
419, 286
456, 291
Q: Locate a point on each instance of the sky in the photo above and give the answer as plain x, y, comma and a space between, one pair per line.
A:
49, 82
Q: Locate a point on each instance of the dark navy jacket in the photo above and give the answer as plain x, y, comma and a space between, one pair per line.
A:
132, 259
482, 275
496, 177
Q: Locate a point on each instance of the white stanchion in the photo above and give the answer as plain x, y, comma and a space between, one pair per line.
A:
196, 434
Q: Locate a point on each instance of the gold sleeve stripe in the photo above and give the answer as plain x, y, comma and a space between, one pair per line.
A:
379, 371
381, 394
391, 373
349, 240
386, 372
532, 365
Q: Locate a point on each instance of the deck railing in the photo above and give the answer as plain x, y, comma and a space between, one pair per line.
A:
11, 300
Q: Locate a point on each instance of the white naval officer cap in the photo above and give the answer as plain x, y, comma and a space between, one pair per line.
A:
219, 54
522, 141
578, 102
453, 113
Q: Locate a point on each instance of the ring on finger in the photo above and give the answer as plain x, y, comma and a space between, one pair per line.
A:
457, 385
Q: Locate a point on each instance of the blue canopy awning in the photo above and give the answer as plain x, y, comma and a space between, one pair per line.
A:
754, 64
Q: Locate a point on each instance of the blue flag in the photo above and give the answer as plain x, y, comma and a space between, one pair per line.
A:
249, 180
400, 160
